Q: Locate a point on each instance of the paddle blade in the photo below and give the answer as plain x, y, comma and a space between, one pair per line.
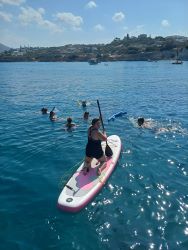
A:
108, 151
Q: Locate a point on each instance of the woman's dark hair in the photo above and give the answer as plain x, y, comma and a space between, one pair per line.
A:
86, 115
69, 119
44, 110
140, 121
52, 113
95, 120
84, 104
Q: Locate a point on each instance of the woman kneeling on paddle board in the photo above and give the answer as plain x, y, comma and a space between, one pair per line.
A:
94, 148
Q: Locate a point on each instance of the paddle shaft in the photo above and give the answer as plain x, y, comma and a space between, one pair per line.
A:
52, 109
108, 150
100, 115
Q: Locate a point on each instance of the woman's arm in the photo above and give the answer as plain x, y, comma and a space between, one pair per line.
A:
101, 136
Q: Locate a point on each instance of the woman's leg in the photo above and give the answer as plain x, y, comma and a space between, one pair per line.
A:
87, 165
102, 165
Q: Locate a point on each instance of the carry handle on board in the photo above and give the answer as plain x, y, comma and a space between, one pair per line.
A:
108, 150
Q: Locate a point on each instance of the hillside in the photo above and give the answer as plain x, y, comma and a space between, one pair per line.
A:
3, 47
141, 48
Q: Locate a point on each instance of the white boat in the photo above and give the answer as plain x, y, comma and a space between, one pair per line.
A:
93, 61
178, 60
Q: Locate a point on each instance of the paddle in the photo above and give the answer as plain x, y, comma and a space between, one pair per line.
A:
108, 150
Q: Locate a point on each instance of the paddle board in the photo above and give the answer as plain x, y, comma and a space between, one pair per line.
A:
81, 189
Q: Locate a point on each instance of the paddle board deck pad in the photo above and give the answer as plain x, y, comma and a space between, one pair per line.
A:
81, 189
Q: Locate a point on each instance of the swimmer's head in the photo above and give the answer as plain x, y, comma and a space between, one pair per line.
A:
69, 120
52, 113
84, 104
44, 110
86, 115
140, 121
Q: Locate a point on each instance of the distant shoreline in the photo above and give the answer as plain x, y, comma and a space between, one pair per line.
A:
21, 61
141, 48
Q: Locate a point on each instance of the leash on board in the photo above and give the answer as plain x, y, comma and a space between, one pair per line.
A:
67, 174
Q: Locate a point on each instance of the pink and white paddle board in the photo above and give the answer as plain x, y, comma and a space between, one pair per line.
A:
81, 189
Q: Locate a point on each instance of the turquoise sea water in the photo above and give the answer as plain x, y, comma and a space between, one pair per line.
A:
144, 205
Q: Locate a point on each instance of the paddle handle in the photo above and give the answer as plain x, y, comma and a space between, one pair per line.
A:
100, 115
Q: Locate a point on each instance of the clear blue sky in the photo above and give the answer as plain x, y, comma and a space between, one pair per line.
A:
60, 22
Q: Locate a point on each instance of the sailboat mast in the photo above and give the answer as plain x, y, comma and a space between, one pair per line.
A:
177, 54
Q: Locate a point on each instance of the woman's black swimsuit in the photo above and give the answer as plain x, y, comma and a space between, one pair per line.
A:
93, 148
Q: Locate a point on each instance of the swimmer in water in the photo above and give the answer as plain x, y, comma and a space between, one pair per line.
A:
158, 129
84, 104
69, 124
52, 115
44, 111
144, 123
86, 115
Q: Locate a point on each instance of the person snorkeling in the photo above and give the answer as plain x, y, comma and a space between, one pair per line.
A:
94, 147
